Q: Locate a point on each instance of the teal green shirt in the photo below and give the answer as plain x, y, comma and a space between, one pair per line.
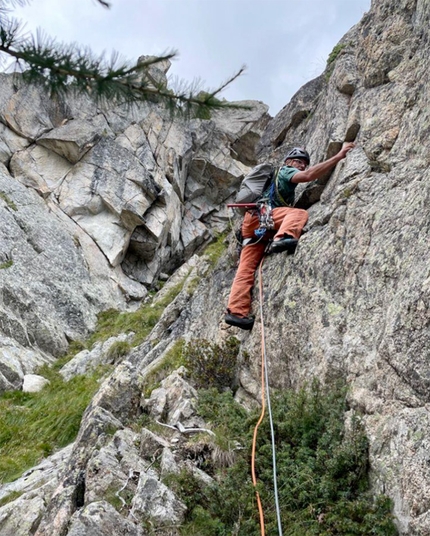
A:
285, 188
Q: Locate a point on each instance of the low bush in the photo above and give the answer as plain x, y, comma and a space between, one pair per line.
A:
118, 349
322, 471
210, 364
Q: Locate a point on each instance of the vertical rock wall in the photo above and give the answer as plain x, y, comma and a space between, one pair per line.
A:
354, 302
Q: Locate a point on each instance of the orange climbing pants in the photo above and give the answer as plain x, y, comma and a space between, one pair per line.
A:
288, 221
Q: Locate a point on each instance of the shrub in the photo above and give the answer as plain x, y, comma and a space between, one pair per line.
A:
112, 322
321, 470
118, 349
7, 264
211, 364
8, 201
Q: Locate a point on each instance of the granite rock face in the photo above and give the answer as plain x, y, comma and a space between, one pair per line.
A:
96, 203
352, 303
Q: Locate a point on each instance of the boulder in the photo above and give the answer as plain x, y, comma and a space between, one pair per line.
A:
17, 363
33, 383
174, 401
10, 143
155, 500
40, 169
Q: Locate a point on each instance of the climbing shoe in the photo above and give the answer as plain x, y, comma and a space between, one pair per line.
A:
287, 244
242, 322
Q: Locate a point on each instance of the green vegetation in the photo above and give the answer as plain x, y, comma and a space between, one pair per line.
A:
118, 349
380, 167
171, 361
33, 425
337, 49
11, 497
8, 202
213, 253
321, 467
120, 500
332, 58
348, 192
211, 364
112, 322
193, 284
226, 418
6, 264
214, 250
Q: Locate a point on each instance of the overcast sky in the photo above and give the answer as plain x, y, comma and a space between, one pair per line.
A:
284, 43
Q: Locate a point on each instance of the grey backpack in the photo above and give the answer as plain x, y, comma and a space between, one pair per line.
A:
254, 184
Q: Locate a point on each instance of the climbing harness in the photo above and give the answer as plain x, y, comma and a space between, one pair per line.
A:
263, 210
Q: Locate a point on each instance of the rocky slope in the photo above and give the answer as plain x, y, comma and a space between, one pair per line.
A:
353, 302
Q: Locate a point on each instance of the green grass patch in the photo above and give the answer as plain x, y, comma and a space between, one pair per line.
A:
34, 425
171, 361
6, 264
112, 323
8, 201
118, 349
120, 500
192, 286
11, 497
337, 49
322, 470
214, 250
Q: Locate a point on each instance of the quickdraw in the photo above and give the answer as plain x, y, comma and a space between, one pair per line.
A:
264, 212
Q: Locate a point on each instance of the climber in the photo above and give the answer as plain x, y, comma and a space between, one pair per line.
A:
288, 226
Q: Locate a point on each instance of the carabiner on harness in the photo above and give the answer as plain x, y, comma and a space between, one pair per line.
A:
265, 218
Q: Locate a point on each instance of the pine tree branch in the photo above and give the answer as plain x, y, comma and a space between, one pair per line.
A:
66, 69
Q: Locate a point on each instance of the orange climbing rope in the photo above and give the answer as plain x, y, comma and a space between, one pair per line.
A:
263, 408
264, 390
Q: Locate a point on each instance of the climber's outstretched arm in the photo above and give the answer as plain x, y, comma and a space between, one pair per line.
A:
316, 171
